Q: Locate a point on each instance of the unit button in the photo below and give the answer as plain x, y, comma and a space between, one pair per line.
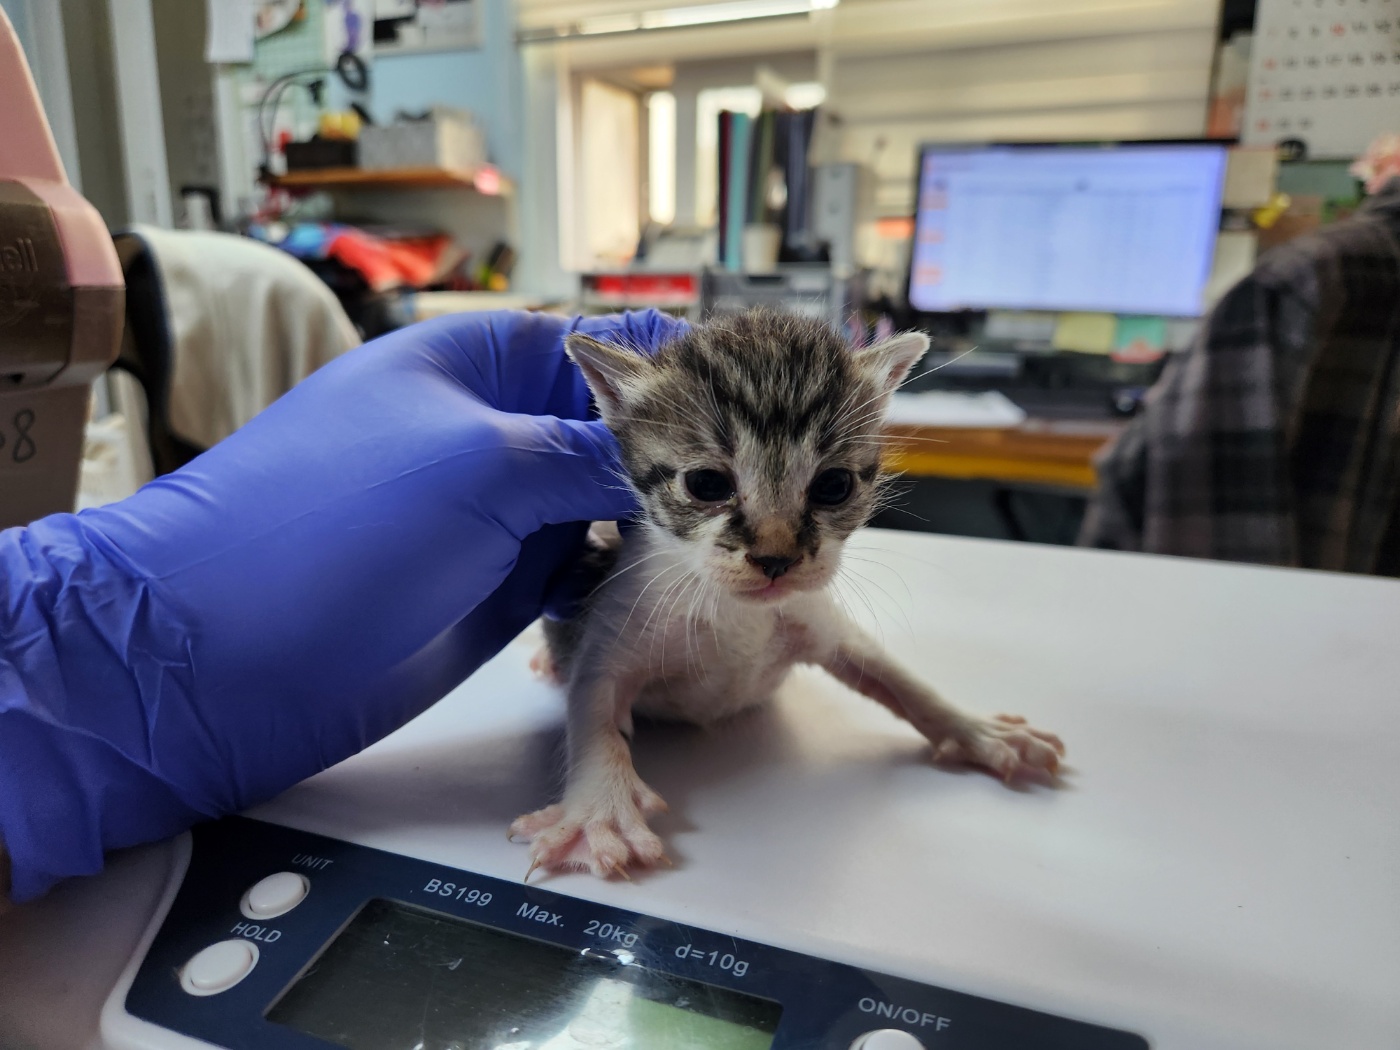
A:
219, 967
887, 1039
275, 895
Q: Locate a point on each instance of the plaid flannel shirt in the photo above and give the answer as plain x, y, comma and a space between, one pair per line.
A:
1276, 438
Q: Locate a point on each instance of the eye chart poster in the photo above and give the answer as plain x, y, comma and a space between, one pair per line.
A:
1325, 72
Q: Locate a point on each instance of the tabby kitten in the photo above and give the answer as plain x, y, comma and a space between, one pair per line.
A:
754, 445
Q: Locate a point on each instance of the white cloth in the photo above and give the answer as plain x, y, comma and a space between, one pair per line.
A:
116, 454
247, 322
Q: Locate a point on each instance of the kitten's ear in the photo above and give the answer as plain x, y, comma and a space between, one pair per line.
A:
611, 372
888, 363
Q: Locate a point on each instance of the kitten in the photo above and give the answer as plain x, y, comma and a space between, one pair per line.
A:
753, 443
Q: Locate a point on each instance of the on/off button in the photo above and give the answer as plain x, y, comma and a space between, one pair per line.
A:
887, 1039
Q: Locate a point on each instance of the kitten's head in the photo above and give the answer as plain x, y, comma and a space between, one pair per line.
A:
754, 442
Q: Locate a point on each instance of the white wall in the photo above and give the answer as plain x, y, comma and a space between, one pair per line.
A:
1135, 85
186, 97
88, 39
902, 72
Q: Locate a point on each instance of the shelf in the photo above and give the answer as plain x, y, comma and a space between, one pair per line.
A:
487, 182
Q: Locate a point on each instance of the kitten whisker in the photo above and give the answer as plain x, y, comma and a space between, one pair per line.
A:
903, 556
662, 621
669, 617
623, 632
899, 609
860, 593
905, 439
921, 375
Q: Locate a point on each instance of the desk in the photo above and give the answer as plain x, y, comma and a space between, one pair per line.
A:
1217, 873
1053, 453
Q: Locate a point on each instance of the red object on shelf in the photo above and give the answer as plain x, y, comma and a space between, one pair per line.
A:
387, 264
488, 181
645, 287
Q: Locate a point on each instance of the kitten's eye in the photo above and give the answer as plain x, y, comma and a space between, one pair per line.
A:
831, 487
709, 486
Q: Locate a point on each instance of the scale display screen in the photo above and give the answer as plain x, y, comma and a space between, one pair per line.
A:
400, 977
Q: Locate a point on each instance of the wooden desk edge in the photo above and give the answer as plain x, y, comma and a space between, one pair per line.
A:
1042, 452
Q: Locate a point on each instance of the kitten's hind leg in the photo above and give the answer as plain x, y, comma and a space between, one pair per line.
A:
601, 823
1006, 744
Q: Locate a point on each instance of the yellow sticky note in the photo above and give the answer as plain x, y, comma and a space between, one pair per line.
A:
1087, 333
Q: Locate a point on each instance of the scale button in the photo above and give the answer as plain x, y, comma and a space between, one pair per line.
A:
219, 967
887, 1039
275, 895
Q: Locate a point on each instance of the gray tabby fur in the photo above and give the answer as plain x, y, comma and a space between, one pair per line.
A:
708, 605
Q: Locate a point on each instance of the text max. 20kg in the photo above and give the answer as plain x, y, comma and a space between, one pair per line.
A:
608, 931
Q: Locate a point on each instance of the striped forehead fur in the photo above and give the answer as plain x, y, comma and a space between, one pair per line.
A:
778, 378
770, 399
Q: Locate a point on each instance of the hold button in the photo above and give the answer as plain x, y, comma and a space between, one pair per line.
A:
275, 895
219, 967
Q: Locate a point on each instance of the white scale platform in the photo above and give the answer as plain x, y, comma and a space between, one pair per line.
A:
1220, 869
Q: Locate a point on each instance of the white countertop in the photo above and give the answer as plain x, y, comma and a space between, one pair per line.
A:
1221, 867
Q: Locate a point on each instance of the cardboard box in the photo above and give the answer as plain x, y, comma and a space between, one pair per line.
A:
447, 139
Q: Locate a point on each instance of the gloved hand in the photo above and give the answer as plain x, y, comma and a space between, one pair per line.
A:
299, 591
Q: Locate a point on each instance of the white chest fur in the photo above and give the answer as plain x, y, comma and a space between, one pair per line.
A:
703, 655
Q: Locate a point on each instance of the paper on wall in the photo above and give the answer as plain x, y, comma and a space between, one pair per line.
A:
1139, 339
1251, 175
1013, 326
230, 30
1325, 73
349, 26
1087, 333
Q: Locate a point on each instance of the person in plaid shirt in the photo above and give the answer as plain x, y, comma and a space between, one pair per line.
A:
1276, 438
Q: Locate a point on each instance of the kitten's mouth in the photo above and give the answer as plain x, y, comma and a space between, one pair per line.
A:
770, 590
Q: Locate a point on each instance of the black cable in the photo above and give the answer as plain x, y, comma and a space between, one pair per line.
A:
274, 93
349, 67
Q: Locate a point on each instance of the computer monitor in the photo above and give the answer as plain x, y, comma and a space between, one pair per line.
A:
1127, 228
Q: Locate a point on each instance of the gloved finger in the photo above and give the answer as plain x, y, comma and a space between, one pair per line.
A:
574, 470
416, 683
643, 331
515, 361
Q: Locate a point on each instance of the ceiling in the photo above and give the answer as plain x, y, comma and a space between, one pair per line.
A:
858, 27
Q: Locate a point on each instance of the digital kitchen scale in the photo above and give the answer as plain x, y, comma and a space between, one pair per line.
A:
1216, 872
283, 940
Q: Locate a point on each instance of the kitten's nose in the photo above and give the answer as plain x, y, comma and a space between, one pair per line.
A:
773, 565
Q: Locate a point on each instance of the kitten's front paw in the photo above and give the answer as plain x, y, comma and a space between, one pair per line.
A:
1006, 745
604, 838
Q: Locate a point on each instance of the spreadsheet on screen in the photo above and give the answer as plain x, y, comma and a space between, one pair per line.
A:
1128, 229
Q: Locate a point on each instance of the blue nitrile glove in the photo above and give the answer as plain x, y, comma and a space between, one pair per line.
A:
298, 592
